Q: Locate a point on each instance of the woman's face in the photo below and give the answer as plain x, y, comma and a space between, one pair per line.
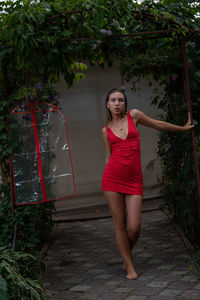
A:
116, 103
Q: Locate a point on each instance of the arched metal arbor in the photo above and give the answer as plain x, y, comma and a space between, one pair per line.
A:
177, 28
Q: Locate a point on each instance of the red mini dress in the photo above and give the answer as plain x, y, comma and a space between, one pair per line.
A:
123, 173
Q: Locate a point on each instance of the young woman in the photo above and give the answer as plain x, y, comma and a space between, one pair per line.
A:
122, 182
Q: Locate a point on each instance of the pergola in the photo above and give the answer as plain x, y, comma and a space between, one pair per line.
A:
182, 32
157, 34
173, 28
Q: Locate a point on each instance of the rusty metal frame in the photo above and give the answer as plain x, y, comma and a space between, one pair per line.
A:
156, 34
189, 104
161, 34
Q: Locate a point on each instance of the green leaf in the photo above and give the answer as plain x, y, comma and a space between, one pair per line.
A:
9, 150
67, 32
54, 50
21, 18
21, 45
3, 285
20, 29
197, 73
4, 136
3, 295
13, 125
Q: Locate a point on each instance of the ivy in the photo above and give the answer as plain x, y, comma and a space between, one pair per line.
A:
18, 273
174, 149
42, 40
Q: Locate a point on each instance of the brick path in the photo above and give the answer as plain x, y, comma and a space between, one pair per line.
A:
84, 263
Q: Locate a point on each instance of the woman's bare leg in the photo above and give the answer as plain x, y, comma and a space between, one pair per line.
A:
116, 203
134, 209
134, 212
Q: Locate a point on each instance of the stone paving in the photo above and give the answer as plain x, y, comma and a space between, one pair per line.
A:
83, 262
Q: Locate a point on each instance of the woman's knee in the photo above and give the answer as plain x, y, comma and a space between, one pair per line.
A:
134, 231
119, 222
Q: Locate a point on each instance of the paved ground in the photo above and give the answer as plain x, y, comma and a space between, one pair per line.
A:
84, 263
97, 210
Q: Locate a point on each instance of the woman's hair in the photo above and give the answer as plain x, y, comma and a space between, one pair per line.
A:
108, 113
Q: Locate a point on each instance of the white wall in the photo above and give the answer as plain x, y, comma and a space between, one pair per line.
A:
84, 110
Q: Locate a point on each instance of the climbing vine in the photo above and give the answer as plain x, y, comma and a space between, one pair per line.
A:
42, 40
163, 60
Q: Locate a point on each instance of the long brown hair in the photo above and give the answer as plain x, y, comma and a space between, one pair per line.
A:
108, 113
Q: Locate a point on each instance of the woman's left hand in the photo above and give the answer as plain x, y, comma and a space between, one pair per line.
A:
189, 124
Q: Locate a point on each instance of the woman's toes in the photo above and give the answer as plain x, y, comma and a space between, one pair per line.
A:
132, 276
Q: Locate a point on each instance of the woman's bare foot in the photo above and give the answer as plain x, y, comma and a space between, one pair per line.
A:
131, 273
132, 276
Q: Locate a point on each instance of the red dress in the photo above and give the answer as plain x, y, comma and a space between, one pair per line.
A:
123, 172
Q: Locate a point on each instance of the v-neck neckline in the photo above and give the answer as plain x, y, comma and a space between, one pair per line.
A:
117, 135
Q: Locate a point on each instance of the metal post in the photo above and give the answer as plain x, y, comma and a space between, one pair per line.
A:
189, 104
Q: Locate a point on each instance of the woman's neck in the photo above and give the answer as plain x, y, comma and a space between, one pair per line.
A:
117, 118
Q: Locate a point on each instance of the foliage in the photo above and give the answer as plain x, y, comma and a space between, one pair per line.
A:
3, 289
23, 227
163, 59
28, 228
18, 273
42, 40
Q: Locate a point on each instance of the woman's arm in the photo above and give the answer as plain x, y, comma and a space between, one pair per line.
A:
140, 118
107, 144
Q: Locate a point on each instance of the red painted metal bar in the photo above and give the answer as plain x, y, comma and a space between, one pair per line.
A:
189, 103
39, 161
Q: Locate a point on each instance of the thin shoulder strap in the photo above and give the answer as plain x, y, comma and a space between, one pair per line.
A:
130, 118
128, 115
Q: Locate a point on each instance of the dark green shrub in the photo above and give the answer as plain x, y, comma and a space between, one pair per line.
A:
18, 276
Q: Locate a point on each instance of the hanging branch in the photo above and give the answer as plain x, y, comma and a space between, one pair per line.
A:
5, 82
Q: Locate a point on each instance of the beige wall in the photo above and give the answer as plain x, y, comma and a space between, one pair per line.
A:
83, 107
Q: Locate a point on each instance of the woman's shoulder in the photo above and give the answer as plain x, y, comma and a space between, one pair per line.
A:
134, 112
104, 133
104, 130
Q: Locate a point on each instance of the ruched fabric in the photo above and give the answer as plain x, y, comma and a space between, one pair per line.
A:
123, 172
